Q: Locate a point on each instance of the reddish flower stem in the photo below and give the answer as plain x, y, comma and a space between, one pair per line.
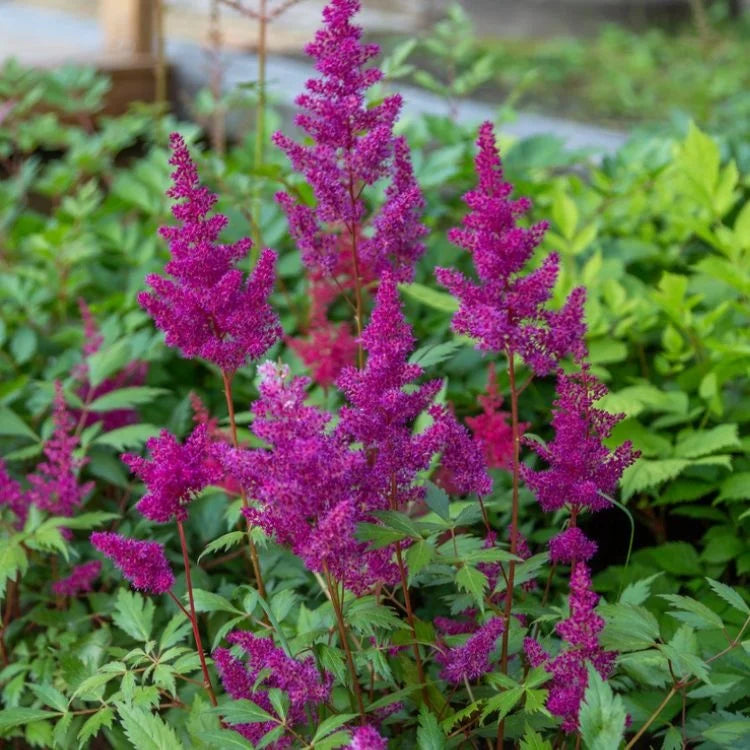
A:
341, 623
193, 618
513, 528
227, 379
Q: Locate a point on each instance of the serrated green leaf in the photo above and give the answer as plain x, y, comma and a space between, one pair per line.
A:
13, 561
503, 702
125, 398
602, 715
693, 612
224, 543
430, 297
207, 601
18, 716
50, 696
134, 614
629, 626
474, 582
645, 474
224, 739
91, 687
147, 731
434, 354
329, 725
418, 557
429, 734
729, 595
639, 591
244, 712
12, 424
94, 723
704, 442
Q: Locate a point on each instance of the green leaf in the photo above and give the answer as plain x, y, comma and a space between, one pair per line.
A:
503, 702
434, 354
86, 520
430, 297
565, 215
534, 741
736, 486
329, 725
629, 626
12, 424
207, 601
224, 543
602, 715
693, 612
23, 345
147, 731
92, 687
130, 436
418, 556
244, 712
429, 734
224, 739
125, 398
645, 474
13, 561
50, 696
637, 593
729, 595
437, 500
704, 442
474, 582
94, 723
15, 717
378, 536
134, 614
108, 361
728, 733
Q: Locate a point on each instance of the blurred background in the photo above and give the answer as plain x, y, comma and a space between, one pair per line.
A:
614, 64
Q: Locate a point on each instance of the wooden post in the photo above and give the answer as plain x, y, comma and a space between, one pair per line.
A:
128, 26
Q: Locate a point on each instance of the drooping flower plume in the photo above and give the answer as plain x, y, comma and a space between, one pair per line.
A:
204, 304
264, 667
505, 311
54, 485
175, 473
471, 660
80, 580
143, 563
353, 146
581, 635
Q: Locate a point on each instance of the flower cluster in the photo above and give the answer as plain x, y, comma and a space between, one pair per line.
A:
79, 581
353, 147
367, 738
175, 473
268, 667
505, 311
568, 669
54, 485
582, 470
471, 660
204, 305
314, 484
143, 563
133, 374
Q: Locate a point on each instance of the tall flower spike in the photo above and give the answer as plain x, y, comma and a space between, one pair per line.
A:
142, 563
353, 147
12, 495
54, 485
472, 660
582, 470
204, 305
175, 473
269, 667
505, 311
581, 634
383, 404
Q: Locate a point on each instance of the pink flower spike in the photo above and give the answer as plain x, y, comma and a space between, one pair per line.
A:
472, 660
80, 581
204, 305
143, 563
175, 473
367, 738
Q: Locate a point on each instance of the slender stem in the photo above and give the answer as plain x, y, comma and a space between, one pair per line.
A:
513, 528
407, 602
338, 611
218, 123
227, 378
260, 123
193, 618
180, 605
652, 718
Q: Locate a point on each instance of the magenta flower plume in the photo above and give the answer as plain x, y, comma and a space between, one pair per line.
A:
310, 488
381, 410
12, 495
504, 311
581, 634
326, 351
570, 546
472, 660
264, 667
142, 563
581, 468
367, 737
353, 146
80, 581
54, 485
204, 305
175, 473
